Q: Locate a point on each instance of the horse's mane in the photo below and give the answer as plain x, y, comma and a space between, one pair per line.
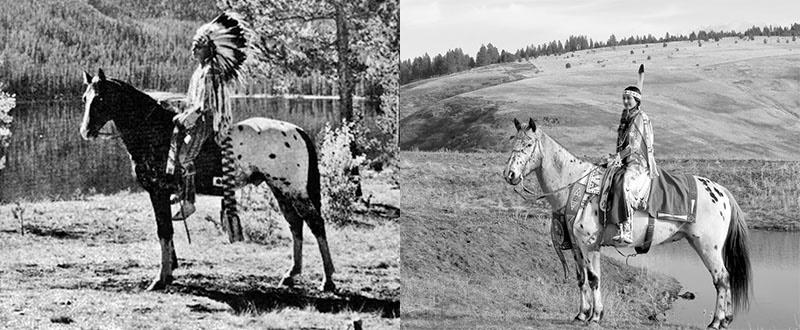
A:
566, 150
128, 88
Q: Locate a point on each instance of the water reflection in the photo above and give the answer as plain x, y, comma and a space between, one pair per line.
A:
775, 258
47, 158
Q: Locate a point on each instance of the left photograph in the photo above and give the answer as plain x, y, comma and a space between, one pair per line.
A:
199, 164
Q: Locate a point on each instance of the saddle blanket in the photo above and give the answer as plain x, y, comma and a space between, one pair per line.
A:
673, 197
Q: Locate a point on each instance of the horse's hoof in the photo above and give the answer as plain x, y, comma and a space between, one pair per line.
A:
157, 285
287, 281
579, 320
329, 287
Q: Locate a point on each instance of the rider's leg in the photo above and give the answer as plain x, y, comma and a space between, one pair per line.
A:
188, 151
620, 208
636, 184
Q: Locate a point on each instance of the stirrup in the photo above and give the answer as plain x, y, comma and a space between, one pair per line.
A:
181, 215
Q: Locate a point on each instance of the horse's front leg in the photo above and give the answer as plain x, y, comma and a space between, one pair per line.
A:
585, 235
585, 309
593, 275
160, 201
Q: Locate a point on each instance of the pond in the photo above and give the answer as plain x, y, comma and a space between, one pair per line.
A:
775, 299
47, 158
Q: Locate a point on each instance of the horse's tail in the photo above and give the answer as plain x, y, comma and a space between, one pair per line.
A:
735, 253
313, 185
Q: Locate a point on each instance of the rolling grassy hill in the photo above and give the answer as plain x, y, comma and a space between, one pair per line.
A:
732, 99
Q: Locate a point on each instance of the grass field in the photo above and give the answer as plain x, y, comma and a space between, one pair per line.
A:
734, 99
476, 255
86, 263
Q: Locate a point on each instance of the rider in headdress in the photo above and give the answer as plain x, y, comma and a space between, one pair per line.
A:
220, 49
635, 152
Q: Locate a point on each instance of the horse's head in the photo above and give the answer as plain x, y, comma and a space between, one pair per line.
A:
526, 155
100, 101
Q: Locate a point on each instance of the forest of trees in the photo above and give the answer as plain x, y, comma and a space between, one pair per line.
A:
455, 60
45, 45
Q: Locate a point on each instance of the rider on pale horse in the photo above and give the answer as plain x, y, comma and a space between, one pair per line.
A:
219, 47
638, 168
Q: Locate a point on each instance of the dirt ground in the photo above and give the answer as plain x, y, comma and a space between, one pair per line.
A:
86, 263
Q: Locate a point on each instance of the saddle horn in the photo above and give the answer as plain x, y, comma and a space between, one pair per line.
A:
640, 83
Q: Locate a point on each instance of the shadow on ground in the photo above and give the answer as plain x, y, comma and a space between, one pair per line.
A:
272, 298
249, 294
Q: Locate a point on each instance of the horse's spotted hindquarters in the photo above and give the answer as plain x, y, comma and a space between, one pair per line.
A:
282, 155
273, 151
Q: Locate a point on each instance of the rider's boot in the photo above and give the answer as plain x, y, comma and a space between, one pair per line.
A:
187, 207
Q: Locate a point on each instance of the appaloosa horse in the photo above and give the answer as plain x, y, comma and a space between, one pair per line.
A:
279, 153
719, 234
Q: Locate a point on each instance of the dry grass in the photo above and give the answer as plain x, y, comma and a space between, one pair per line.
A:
90, 260
732, 101
475, 255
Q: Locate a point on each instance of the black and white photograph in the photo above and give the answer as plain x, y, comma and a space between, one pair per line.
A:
199, 164
600, 164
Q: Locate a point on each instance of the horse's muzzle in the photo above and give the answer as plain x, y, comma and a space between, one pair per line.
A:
512, 179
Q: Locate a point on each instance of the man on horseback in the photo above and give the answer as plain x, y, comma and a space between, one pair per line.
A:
635, 158
219, 47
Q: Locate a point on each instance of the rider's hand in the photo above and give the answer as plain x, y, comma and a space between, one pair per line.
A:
187, 119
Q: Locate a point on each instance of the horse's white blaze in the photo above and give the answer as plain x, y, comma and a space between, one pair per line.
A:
87, 104
274, 148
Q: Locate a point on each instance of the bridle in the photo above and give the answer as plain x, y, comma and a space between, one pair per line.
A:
110, 136
530, 192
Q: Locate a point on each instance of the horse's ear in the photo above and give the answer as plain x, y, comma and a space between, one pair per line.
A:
100, 74
87, 78
531, 124
517, 124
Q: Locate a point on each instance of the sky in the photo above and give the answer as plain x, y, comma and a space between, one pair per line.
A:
435, 26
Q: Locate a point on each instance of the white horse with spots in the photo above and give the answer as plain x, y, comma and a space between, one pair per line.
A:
719, 234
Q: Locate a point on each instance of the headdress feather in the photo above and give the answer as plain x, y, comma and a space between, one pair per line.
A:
227, 39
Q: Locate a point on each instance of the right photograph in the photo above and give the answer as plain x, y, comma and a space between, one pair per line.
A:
619, 165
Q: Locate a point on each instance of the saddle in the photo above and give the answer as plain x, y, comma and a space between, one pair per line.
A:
208, 163
672, 197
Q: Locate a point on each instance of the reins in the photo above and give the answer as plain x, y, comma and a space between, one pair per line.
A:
531, 193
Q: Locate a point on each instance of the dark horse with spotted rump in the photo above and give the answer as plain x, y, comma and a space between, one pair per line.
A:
264, 150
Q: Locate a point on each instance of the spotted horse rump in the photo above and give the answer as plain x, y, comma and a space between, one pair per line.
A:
278, 153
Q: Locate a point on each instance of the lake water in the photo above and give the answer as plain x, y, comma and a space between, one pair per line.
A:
775, 299
48, 159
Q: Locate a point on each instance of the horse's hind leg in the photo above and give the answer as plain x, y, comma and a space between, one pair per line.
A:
317, 225
296, 227
711, 254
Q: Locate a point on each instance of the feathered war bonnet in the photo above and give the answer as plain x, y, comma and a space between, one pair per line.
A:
226, 40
